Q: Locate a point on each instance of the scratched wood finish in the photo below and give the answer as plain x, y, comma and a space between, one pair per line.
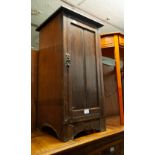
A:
65, 90
34, 75
94, 143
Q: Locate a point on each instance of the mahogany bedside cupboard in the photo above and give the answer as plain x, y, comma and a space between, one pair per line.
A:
70, 85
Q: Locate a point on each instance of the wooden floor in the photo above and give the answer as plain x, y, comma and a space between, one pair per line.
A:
45, 144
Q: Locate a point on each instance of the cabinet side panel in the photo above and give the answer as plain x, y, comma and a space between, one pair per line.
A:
50, 75
34, 69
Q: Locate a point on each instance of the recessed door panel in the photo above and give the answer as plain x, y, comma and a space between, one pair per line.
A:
83, 83
77, 68
91, 68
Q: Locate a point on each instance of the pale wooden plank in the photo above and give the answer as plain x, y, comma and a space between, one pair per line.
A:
45, 144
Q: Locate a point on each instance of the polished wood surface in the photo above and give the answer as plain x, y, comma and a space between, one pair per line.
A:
83, 75
107, 40
46, 144
70, 89
50, 75
92, 90
76, 74
121, 40
118, 75
34, 87
112, 45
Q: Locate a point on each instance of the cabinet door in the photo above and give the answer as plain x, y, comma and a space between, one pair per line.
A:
83, 78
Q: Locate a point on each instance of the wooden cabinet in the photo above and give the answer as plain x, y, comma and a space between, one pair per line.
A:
70, 96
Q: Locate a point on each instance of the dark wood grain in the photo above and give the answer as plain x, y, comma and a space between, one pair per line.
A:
87, 70
107, 52
66, 90
91, 69
112, 145
72, 13
50, 75
77, 68
110, 91
34, 75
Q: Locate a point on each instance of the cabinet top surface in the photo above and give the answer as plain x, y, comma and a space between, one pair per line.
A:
72, 13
